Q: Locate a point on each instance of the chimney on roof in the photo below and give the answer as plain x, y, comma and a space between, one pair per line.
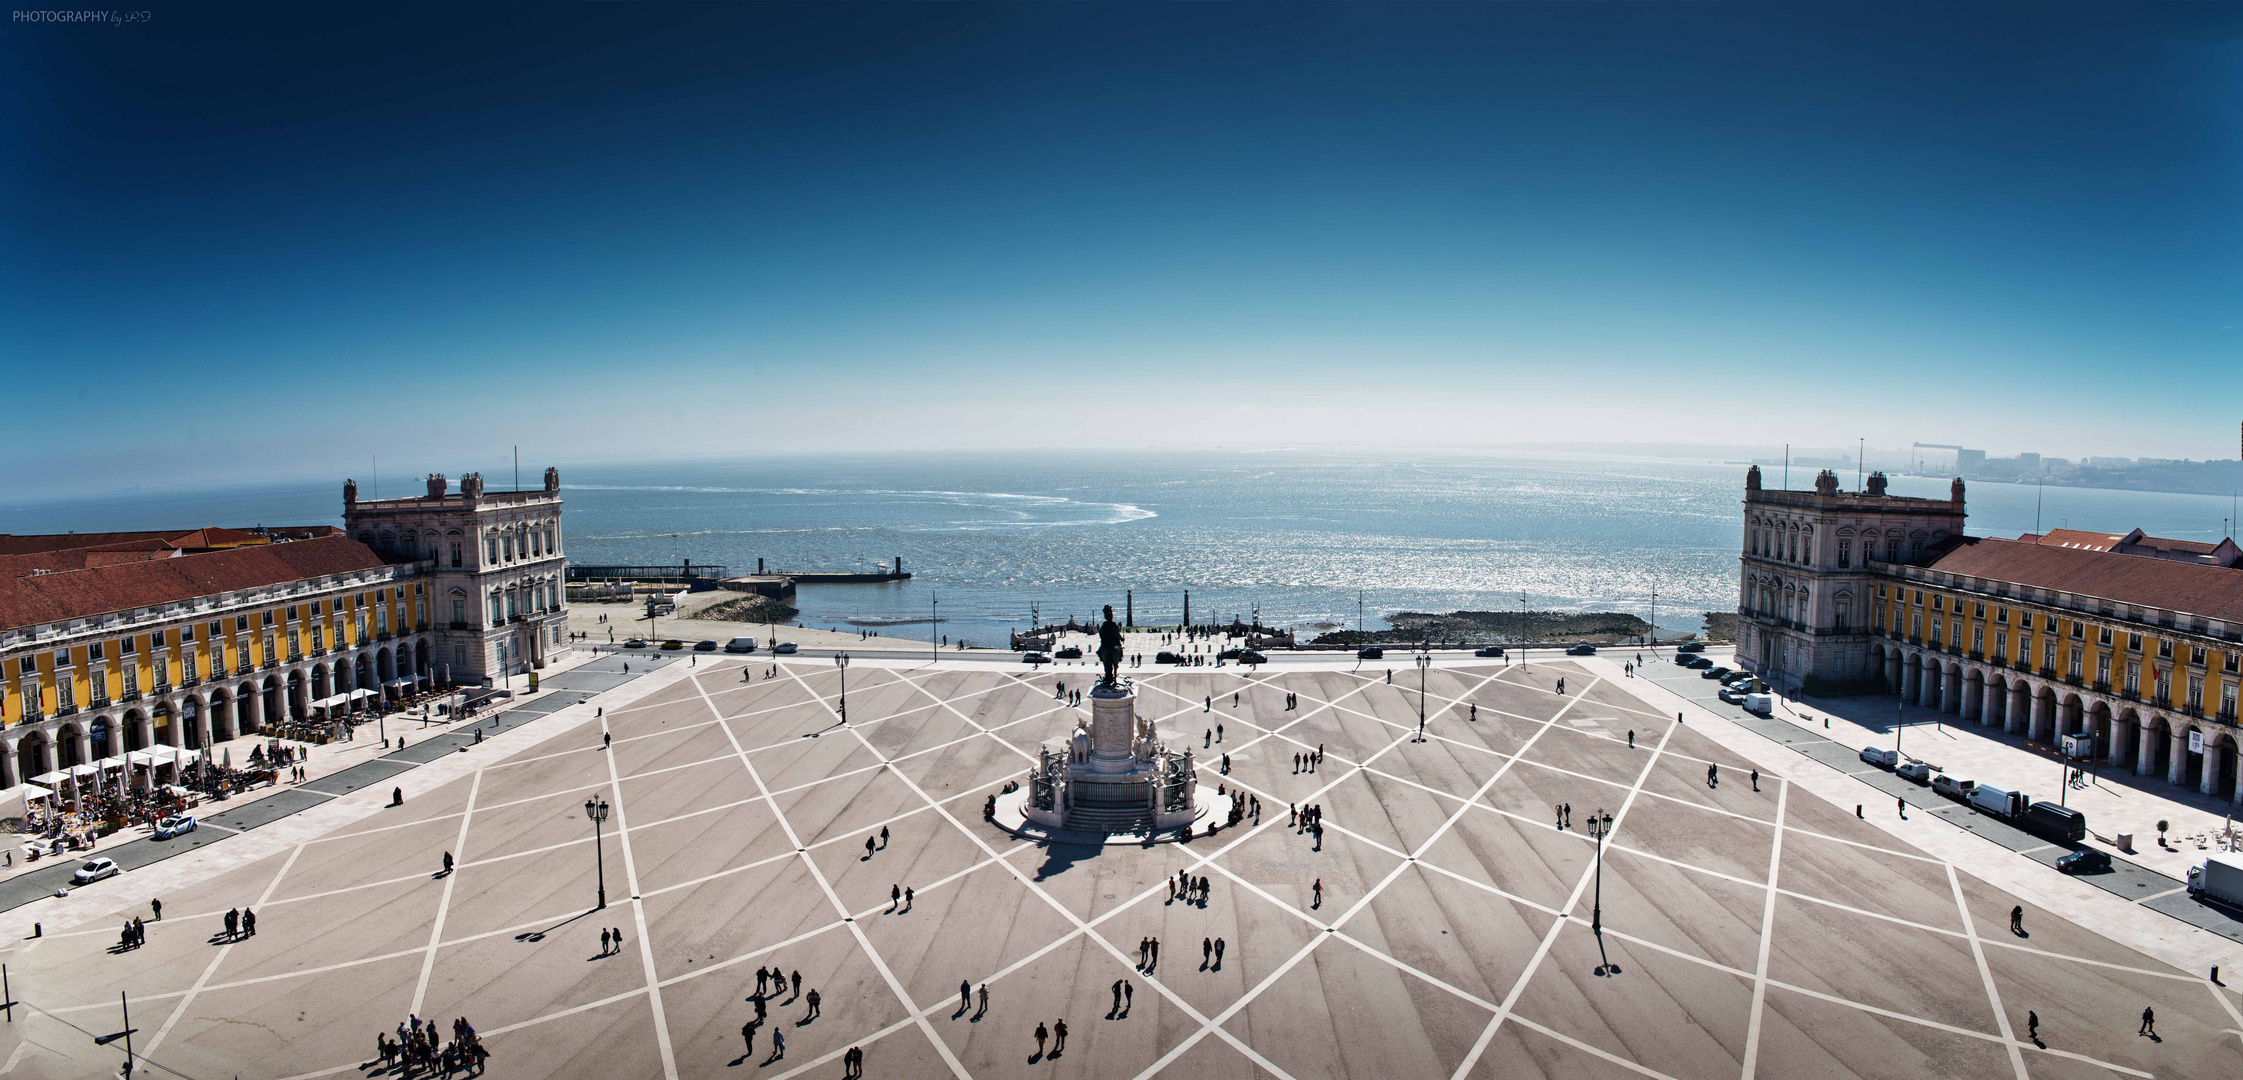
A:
1826, 483
1877, 483
438, 485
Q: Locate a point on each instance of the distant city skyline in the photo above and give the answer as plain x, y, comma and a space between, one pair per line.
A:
240, 251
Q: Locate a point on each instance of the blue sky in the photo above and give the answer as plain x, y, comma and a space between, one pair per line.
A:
251, 243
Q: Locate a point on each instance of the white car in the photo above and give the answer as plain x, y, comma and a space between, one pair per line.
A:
175, 825
1915, 771
740, 644
94, 870
784, 648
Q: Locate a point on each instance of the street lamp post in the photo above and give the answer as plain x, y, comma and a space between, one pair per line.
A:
1600, 825
1424, 660
596, 809
841, 662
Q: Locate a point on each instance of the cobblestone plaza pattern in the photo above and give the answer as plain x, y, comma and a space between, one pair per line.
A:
1747, 932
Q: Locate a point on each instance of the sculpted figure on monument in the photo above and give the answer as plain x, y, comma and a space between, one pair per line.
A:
1110, 649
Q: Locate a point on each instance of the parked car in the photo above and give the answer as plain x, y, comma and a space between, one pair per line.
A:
1735, 677
1249, 656
785, 648
1914, 772
1488, 651
94, 870
1880, 757
1034, 658
1071, 652
1691, 647
1581, 649
1759, 704
1694, 661
1735, 695
1999, 802
2061, 824
1166, 657
635, 643
1953, 787
175, 825
672, 645
2084, 861
740, 644
1370, 652
1714, 673
704, 646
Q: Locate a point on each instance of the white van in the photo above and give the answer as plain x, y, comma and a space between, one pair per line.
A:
1759, 704
2000, 802
1880, 757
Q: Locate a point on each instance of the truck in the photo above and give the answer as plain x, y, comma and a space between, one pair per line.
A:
2218, 877
2060, 824
2000, 802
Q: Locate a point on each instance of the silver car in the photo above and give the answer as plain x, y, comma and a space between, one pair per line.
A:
94, 870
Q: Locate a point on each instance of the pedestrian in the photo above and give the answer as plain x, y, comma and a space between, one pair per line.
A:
1317, 890
907, 898
778, 1045
607, 739
1557, 810
883, 836
797, 984
1042, 1033
1755, 779
1569, 815
984, 1010
761, 976
965, 995
1129, 994
1902, 806
1117, 999
2149, 1022
618, 938
1218, 952
1156, 953
447, 862
157, 906
1631, 738
1206, 951
1226, 764
604, 941
813, 1000
2033, 1025
747, 1035
397, 794
248, 923
895, 896
852, 1063
1058, 1036
867, 847
762, 1007
1218, 733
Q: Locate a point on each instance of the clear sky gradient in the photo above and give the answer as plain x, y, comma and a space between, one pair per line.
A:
254, 243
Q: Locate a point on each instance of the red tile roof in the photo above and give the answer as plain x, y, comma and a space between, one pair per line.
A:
11, 544
2214, 592
27, 598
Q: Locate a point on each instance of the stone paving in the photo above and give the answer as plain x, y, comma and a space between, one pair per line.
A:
1752, 929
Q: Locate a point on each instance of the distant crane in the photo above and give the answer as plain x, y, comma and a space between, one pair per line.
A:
1959, 451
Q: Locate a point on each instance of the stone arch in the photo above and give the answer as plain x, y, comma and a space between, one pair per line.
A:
2156, 747
269, 706
223, 720
420, 659
2220, 766
1973, 691
190, 723
385, 665
103, 736
363, 668
298, 696
69, 746
31, 755
132, 732
2070, 716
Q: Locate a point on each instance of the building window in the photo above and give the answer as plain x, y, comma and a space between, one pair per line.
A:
2227, 701
2001, 646
1916, 625
2133, 643
1978, 639
2134, 677
31, 696
2165, 648
2196, 693
2228, 662
551, 548
1844, 614
2079, 630
1845, 554
1955, 634
2025, 620
132, 678
2196, 655
498, 609
1877, 617
66, 692
459, 611
187, 665
459, 656
2001, 615
2103, 636
2103, 671
2078, 658
2048, 655
93, 651
319, 638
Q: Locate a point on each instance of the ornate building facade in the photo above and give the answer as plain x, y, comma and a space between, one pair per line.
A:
2122, 647
495, 566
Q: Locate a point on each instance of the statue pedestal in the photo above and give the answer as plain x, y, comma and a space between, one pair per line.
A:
1111, 776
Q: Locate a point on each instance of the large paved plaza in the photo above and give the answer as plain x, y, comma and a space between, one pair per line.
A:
1750, 929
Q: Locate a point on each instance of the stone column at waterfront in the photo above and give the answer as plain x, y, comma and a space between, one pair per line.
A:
2038, 732
2210, 783
2176, 772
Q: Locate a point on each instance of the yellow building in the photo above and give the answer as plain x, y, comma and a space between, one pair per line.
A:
2124, 648
111, 643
